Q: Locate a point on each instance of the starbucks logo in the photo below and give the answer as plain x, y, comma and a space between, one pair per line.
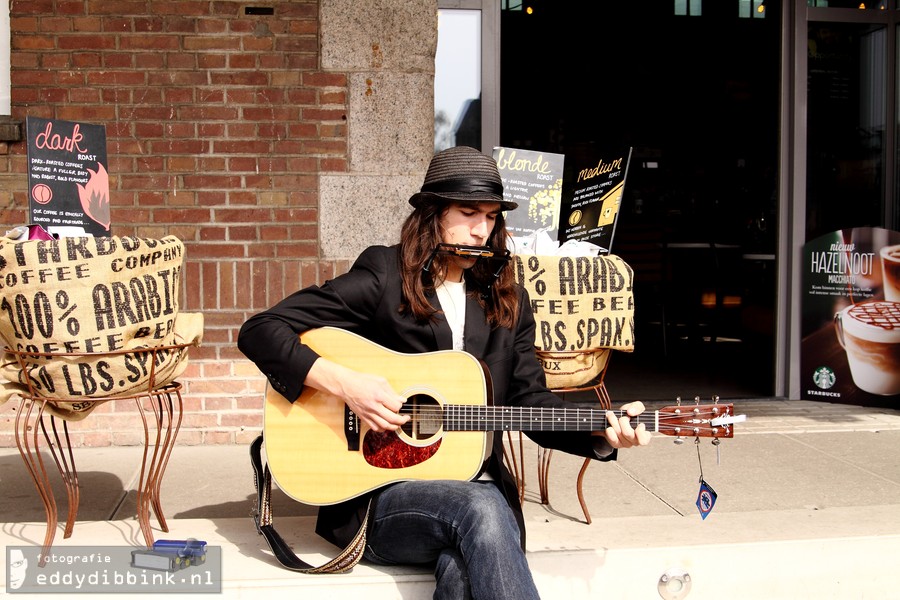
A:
823, 378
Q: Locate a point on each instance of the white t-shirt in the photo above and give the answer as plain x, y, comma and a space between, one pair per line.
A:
452, 296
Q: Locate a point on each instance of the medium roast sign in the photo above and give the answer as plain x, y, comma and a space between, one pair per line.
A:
591, 200
68, 184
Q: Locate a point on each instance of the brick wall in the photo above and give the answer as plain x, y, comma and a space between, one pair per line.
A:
218, 125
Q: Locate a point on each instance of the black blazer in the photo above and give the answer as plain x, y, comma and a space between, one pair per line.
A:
365, 301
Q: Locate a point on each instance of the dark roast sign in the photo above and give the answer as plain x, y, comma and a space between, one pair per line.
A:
68, 184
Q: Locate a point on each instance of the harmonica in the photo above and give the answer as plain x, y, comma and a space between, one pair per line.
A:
464, 250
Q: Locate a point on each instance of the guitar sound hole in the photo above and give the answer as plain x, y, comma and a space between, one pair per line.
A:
417, 441
426, 418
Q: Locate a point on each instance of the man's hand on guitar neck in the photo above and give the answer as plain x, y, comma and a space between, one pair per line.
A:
369, 396
620, 433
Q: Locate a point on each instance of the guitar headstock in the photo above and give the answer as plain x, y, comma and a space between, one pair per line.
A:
698, 420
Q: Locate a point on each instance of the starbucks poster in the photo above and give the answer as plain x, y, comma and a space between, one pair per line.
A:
850, 348
68, 184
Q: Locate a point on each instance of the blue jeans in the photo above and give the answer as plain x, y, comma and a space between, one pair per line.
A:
465, 529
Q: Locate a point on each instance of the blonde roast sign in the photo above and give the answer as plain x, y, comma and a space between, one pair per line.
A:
582, 306
97, 295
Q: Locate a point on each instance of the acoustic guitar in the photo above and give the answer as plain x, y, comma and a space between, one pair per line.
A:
319, 453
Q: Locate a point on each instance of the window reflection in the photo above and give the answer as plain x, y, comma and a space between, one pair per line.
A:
846, 126
859, 4
457, 80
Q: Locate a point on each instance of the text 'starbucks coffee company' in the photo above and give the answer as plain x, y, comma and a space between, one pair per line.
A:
48, 322
91, 295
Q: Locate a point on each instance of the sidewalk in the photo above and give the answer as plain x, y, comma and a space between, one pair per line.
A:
808, 506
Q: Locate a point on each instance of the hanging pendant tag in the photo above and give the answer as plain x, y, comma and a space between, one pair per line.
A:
706, 499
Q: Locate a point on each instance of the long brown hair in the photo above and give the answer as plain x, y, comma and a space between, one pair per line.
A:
420, 235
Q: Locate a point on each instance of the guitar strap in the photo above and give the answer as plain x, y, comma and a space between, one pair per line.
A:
343, 562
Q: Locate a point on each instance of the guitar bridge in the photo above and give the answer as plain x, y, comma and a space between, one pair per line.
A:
351, 429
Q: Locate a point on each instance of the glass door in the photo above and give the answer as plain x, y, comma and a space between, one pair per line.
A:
851, 118
846, 126
844, 121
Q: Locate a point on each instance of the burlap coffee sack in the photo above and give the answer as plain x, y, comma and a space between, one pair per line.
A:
96, 295
583, 306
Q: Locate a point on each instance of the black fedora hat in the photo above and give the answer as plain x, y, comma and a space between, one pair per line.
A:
462, 174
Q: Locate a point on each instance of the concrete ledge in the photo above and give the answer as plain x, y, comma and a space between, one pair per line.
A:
569, 559
808, 507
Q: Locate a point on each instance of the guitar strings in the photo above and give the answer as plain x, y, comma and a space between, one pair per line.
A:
572, 418
569, 413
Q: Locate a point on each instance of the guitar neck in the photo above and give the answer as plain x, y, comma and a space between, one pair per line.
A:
506, 418
693, 420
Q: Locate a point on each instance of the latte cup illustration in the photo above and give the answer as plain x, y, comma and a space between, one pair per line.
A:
870, 334
890, 267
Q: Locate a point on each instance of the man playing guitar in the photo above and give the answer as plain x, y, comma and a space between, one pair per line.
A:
446, 285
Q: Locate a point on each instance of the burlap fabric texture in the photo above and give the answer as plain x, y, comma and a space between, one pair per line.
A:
113, 298
583, 308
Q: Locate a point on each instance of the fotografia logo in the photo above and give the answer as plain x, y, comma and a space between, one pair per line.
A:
18, 569
182, 567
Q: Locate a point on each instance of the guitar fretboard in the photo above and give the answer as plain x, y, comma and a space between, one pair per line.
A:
464, 417
505, 418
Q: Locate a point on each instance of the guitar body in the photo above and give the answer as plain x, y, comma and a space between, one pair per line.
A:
310, 445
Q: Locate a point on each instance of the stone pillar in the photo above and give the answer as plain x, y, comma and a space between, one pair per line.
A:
387, 50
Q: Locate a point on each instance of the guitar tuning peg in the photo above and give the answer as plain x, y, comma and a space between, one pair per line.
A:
679, 440
678, 400
716, 399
